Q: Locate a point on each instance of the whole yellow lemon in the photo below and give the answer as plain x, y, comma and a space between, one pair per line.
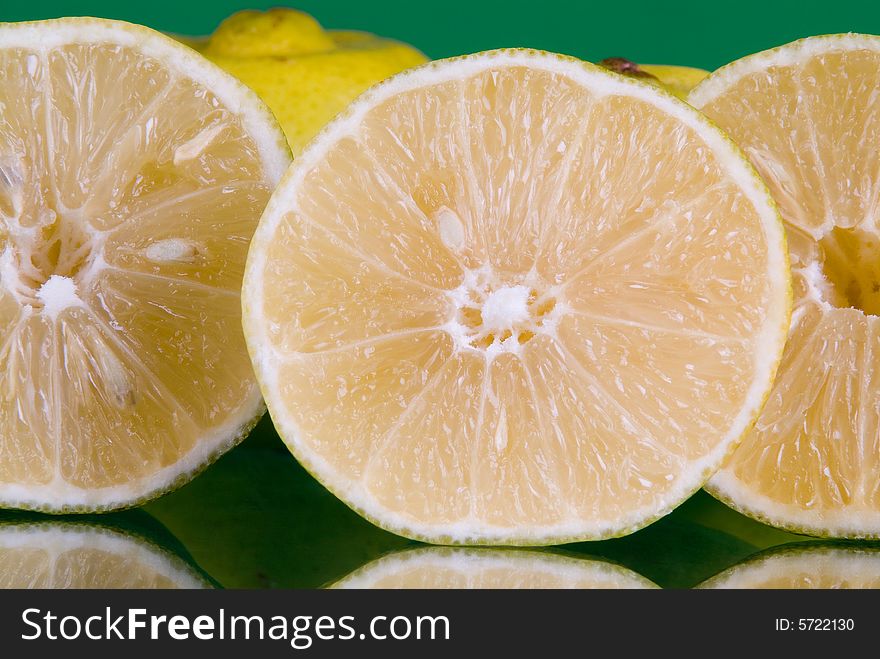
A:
304, 73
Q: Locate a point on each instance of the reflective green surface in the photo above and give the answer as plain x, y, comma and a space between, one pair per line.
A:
256, 519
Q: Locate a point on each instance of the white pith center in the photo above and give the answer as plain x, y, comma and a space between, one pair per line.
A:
52, 264
493, 316
848, 272
56, 294
49, 266
506, 308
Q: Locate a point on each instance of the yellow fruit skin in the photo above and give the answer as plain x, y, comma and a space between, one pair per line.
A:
305, 74
677, 80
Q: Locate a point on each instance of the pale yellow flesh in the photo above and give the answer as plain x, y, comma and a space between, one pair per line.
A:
807, 115
67, 556
649, 273
819, 568
446, 568
134, 185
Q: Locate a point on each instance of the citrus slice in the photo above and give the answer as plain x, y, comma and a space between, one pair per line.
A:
515, 298
132, 175
447, 567
73, 555
806, 115
804, 566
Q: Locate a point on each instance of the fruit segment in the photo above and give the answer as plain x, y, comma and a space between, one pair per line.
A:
807, 116
514, 298
132, 174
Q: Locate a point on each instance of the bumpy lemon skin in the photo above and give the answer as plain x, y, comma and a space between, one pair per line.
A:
304, 73
679, 80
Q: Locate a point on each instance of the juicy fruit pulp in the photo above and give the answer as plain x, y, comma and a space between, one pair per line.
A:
436, 567
806, 114
515, 298
69, 555
306, 75
132, 174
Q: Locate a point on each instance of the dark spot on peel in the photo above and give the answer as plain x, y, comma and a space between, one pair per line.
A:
625, 67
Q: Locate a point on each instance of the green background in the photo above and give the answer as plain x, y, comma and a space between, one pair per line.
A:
707, 34
256, 519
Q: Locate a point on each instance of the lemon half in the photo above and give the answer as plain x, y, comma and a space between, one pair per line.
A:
132, 175
806, 114
515, 298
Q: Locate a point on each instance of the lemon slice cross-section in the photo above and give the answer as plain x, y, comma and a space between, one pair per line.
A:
74, 555
465, 568
808, 116
515, 298
132, 176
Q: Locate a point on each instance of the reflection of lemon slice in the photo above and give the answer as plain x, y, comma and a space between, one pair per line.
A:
807, 116
132, 174
71, 555
515, 298
255, 519
445, 567
804, 566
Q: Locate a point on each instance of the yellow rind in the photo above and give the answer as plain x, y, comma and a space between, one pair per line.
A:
305, 73
679, 80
